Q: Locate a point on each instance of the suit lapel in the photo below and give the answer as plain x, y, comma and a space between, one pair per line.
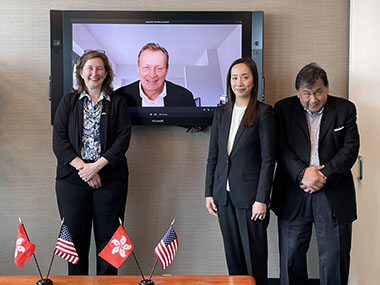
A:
80, 120
237, 137
167, 101
226, 125
327, 118
299, 117
104, 123
136, 94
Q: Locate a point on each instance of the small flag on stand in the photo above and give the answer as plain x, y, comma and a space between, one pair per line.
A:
24, 248
65, 247
118, 248
167, 247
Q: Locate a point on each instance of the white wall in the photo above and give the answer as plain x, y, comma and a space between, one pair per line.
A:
205, 80
364, 86
225, 61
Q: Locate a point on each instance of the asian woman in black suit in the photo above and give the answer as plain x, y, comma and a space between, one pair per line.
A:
239, 174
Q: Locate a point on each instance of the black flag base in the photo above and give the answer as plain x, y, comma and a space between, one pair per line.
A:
146, 282
44, 282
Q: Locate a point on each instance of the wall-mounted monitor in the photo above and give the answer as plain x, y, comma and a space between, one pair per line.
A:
201, 47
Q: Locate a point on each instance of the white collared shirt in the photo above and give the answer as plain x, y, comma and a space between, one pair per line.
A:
314, 124
158, 102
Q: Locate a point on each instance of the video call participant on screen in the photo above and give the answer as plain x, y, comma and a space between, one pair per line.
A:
91, 133
152, 90
239, 173
318, 143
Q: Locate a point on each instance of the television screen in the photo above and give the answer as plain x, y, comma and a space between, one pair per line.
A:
200, 45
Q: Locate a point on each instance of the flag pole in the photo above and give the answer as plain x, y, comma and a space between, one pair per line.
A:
134, 256
34, 256
154, 268
155, 263
52, 258
138, 265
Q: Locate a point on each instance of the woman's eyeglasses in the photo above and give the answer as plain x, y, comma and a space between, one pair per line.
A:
91, 50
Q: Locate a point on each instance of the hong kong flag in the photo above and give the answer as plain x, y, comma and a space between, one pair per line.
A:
118, 248
24, 248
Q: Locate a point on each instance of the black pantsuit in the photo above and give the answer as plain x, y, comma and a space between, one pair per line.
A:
249, 169
80, 205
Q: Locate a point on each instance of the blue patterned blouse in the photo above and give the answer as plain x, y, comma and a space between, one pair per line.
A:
91, 147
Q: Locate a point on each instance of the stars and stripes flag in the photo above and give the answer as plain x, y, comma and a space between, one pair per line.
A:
167, 247
65, 246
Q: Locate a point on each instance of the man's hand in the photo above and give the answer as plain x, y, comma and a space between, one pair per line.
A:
313, 179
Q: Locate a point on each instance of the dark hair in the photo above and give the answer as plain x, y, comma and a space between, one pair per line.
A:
309, 74
154, 47
252, 111
107, 83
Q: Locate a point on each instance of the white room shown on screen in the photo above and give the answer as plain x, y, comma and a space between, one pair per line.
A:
199, 54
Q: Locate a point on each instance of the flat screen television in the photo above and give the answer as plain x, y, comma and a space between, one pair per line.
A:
201, 47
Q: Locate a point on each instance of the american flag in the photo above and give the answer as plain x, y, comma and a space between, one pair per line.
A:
65, 247
167, 247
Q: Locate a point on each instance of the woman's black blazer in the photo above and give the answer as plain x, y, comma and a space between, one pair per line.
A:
115, 132
250, 165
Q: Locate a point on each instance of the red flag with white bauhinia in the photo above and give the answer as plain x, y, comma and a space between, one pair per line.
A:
118, 248
24, 248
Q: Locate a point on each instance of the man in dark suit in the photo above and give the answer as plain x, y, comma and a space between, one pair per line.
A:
152, 90
318, 143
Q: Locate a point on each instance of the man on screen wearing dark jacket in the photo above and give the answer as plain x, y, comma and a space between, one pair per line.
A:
152, 90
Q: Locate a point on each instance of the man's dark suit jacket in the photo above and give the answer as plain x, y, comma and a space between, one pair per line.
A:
249, 168
115, 134
175, 95
338, 151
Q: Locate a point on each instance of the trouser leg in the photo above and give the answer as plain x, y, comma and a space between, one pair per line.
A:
294, 241
231, 239
109, 206
294, 237
253, 235
245, 242
334, 246
75, 206
334, 242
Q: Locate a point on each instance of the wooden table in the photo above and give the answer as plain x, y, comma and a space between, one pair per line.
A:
108, 280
